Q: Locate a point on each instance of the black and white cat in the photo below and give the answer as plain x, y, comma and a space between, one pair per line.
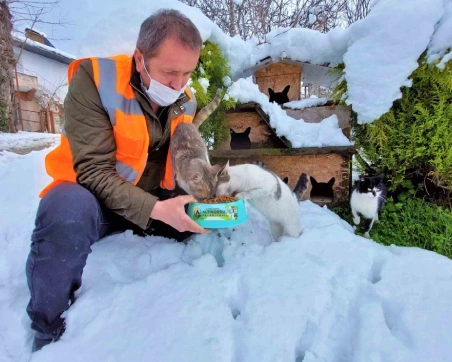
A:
279, 97
268, 194
368, 196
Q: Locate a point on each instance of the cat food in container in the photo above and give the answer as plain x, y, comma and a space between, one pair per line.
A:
221, 212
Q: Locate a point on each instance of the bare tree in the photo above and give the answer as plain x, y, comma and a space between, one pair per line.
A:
250, 18
12, 14
258, 17
6, 70
355, 10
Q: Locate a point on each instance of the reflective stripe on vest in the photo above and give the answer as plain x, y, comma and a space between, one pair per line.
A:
113, 92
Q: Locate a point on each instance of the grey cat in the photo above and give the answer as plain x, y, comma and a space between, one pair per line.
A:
192, 168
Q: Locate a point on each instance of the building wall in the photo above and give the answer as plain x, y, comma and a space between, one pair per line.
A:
50, 73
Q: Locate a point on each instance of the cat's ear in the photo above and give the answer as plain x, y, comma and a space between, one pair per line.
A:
224, 169
286, 90
271, 92
286, 180
313, 181
223, 173
247, 132
231, 131
380, 177
331, 182
215, 169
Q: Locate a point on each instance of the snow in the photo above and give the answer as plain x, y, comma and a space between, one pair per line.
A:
312, 19
297, 131
380, 53
27, 140
227, 81
231, 295
204, 82
441, 42
36, 44
306, 103
385, 45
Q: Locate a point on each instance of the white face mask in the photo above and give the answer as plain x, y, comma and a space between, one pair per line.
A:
159, 93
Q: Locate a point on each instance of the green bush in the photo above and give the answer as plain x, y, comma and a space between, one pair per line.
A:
213, 67
413, 141
3, 118
410, 222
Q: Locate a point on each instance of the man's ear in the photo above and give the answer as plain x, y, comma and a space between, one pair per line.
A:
138, 56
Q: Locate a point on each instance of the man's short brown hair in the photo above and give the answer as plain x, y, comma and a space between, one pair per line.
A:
163, 24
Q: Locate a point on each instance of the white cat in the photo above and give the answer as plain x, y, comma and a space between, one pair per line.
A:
267, 193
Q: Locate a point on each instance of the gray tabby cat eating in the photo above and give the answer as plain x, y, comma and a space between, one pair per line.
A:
189, 157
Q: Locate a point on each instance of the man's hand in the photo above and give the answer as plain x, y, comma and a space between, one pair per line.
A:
172, 212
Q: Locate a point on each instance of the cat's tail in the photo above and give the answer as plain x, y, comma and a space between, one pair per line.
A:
301, 186
207, 110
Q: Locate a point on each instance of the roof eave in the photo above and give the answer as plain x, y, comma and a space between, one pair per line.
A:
43, 52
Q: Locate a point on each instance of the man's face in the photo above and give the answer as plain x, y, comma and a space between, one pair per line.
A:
171, 66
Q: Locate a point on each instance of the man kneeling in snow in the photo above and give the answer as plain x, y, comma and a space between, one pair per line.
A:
110, 172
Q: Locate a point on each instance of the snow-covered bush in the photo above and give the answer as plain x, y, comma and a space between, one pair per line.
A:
413, 140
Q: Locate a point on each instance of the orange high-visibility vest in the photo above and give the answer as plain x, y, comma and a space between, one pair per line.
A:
112, 76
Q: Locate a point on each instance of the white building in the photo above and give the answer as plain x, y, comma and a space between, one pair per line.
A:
41, 82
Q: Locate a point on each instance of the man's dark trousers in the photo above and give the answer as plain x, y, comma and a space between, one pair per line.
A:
69, 220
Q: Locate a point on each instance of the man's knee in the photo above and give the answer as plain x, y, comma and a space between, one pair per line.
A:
68, 203
68, 215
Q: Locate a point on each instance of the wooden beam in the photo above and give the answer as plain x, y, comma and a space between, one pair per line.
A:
52, 122
48, 120
342, 150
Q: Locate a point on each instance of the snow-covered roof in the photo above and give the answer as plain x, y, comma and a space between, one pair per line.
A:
297, 131
42, 49
380, 52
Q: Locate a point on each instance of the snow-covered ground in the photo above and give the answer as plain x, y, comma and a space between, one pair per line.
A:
231, 295
24, 142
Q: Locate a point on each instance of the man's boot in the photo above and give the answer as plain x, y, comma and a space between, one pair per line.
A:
42, 339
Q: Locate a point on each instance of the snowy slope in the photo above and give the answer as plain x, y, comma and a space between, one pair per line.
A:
230, 295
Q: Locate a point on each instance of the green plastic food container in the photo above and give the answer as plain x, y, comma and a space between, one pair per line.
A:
215, 216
